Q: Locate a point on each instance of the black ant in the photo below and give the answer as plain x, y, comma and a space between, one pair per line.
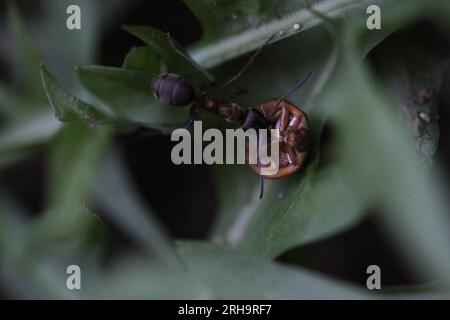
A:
175, 90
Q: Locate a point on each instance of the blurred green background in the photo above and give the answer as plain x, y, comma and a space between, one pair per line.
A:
99, 190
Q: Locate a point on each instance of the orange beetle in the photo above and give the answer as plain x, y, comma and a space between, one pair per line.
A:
293, 128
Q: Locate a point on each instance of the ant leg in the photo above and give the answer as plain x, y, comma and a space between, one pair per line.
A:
245, 67
194, 115
202, 70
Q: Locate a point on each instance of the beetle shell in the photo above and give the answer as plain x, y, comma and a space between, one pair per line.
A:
294, 135
172, 89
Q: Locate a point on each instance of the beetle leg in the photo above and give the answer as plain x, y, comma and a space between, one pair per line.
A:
284, 120
292, 154
295, 123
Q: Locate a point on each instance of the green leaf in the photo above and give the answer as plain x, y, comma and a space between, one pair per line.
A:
74, 162
414, 74
68, 107
12, 227
159, 42
232, 28
75, 47
11, 158
322, 204
139, 278
229, 275
27, 55
142, 59
116, 193
67, 232
28, 132
128, 93
13, 231
8, 102
427, 291
376, 156
233, 197
58, 236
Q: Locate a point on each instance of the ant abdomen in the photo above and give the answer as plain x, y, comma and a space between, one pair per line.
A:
173, 89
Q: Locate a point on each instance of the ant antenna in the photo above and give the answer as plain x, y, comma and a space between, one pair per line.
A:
297, 86
261, 177
198, 67
245, 67
261, 186
236, 93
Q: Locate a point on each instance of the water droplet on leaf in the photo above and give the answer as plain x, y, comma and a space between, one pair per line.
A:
424, 116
